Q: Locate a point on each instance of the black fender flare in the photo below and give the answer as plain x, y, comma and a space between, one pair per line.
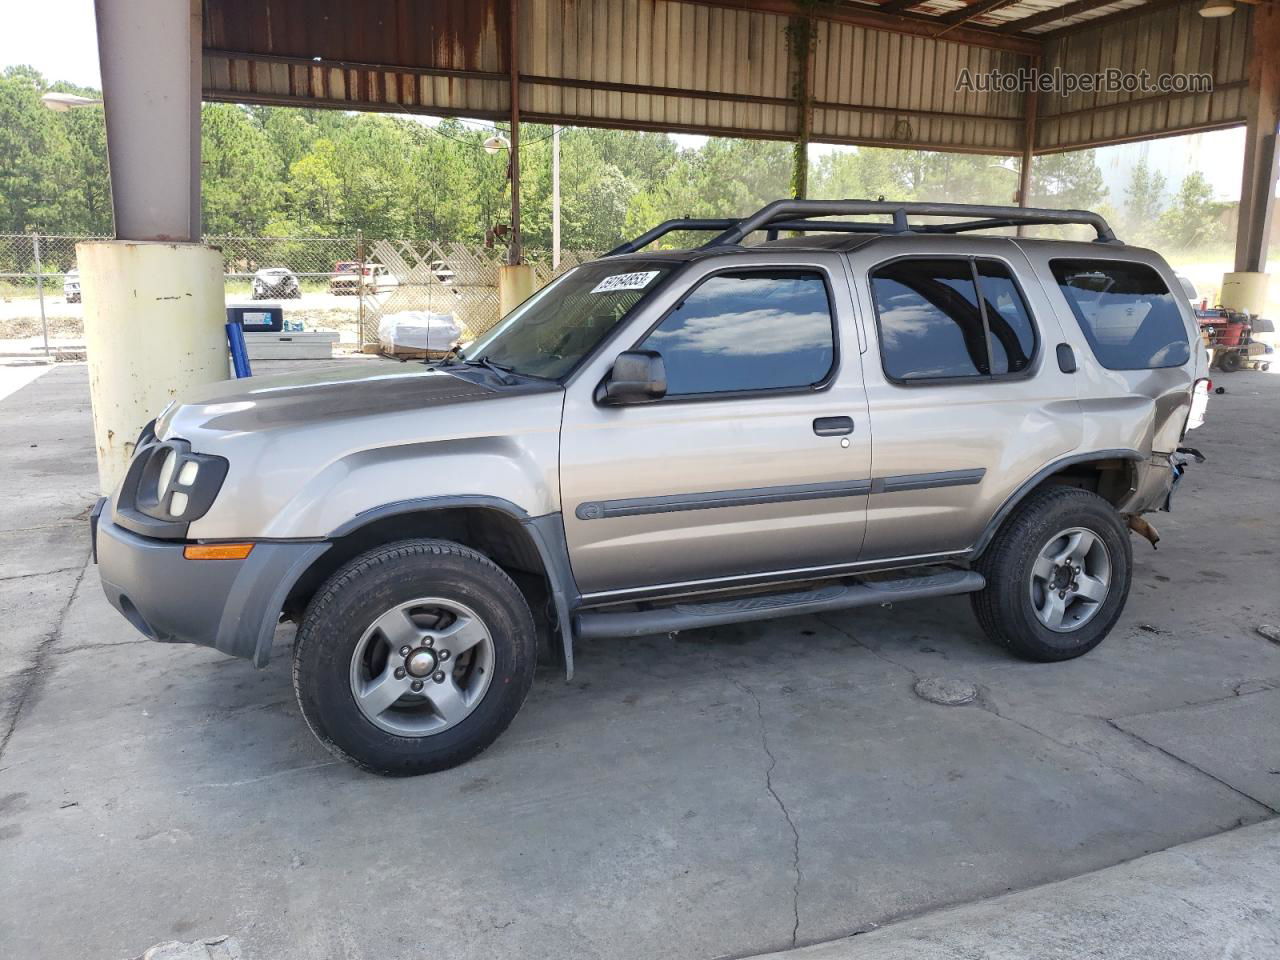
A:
546, 532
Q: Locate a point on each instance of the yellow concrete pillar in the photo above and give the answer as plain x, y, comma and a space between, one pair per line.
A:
1245, 290
515, 286
154, 318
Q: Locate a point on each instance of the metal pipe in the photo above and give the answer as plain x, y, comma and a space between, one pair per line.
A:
555, 198
513, 251
44, 324
668, 226
1032, 104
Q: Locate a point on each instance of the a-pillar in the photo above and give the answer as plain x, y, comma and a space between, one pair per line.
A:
153, 297
1246, 289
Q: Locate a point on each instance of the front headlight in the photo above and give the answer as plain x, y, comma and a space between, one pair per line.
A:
168, 464
168, 486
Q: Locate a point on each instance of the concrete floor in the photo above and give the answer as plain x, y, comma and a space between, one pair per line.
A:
726, 792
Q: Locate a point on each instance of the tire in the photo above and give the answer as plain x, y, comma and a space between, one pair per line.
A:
342, 655
1230, 362
1015, 608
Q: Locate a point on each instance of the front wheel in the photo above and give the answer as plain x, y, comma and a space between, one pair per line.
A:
414, 657
1058, 575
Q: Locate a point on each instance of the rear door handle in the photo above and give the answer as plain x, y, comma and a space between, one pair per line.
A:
833, 426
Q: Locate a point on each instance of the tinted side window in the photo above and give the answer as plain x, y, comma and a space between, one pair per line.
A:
930, 324
1013, 336
747, 331
1128, 315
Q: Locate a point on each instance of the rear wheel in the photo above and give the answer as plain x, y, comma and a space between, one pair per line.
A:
1058, 575
414, 657
1230, 362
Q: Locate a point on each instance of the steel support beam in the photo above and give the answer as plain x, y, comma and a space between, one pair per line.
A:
513, 251
1258, 185
1052, 16
876, 18
150, 56
1028, 149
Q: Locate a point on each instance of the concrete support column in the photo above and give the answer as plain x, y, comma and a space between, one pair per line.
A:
153, 324
1247, 286
150, 56
153, 298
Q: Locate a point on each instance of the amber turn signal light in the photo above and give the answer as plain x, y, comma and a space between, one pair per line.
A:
217, 551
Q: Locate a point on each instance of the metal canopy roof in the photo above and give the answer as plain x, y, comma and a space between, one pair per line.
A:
877, 73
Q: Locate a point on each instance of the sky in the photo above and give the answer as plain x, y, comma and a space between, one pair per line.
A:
61, 42
59, 38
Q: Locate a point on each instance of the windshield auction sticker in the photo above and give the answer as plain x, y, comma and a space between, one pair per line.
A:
625, 281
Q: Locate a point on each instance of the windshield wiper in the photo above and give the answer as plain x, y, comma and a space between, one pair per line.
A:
451, 355
501, 369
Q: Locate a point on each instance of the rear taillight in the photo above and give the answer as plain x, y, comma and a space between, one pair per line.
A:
1199, 402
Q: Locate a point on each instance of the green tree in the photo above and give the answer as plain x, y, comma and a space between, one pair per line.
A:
240, 186
856, 173
30, 150
86, 185
1194, 219
1143, 200
1070, 180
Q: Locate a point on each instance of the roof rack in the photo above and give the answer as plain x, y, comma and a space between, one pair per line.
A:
793, 215
986, 217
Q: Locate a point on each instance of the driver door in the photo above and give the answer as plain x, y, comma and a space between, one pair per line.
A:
756, 463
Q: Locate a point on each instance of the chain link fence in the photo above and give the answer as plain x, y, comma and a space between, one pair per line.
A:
348, 284
457, 279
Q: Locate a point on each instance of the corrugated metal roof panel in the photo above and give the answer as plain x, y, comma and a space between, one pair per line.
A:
1170, 41
709, 66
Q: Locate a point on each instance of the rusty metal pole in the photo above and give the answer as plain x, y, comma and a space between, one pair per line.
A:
803, 33
44, 323
515, 277
1032, 104
513, 251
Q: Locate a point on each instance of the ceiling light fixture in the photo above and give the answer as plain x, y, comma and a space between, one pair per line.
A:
1217, 8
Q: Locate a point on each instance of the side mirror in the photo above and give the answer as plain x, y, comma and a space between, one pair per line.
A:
638, 376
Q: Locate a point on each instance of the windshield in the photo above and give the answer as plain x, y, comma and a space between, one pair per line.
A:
550, 333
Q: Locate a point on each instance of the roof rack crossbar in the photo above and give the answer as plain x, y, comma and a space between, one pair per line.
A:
670, 226
986, 217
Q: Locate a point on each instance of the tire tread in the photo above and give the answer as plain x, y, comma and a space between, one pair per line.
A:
310, 632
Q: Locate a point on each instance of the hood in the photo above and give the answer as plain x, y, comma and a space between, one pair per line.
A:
299, 400
307, 452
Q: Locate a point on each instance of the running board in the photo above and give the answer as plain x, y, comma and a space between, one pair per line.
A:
595, 624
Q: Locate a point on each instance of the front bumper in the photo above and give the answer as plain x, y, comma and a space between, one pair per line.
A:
231, 605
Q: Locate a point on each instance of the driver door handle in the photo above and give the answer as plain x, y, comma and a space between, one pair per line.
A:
833, 426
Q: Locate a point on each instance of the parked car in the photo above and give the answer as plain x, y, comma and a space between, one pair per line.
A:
664, 441
71, 286
349, 278
276, 283
1189, 290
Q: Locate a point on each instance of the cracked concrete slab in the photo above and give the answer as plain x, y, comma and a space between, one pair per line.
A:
1236, 740
1214, 898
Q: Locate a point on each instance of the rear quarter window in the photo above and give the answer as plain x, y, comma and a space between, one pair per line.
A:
1126, 312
